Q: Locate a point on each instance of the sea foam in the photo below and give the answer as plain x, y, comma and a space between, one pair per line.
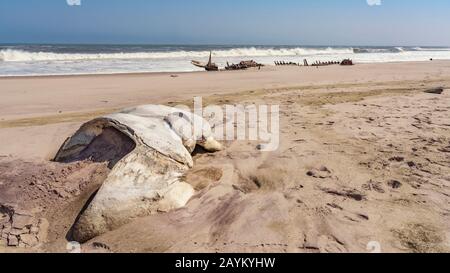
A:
12, 55
27, 60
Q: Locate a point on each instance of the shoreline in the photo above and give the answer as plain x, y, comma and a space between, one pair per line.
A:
54, 95
188, 72
102, 74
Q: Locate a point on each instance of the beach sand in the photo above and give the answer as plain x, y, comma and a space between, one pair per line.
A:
364, 159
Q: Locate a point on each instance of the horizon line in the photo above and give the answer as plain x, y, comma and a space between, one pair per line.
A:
216, 44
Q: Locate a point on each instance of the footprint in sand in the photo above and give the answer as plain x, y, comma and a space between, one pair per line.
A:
397, 159
321, 173
394, 184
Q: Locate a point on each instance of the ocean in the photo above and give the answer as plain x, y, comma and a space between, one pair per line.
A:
32, 60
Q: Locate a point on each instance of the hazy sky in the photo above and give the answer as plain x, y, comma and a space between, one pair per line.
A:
304, 22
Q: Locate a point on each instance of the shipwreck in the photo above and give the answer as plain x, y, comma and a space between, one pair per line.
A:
210, 66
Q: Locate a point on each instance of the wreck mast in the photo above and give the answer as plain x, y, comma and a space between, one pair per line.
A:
210, 59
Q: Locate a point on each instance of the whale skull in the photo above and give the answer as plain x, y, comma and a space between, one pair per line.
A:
148, 149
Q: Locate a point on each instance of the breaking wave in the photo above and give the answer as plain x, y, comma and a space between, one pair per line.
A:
430, 49
13, 55
34, 60
379, 50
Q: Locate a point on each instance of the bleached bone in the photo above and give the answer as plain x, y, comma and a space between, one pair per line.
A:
148, 149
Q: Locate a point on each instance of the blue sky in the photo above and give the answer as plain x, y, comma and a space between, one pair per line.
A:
302, 22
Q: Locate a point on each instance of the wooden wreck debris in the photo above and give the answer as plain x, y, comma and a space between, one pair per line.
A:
235, 67
278, 63
347, 62
210, 66
243, 65
305, 63
198, 64
320, 63
250, 63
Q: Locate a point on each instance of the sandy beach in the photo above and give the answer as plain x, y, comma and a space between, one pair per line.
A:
363, 162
